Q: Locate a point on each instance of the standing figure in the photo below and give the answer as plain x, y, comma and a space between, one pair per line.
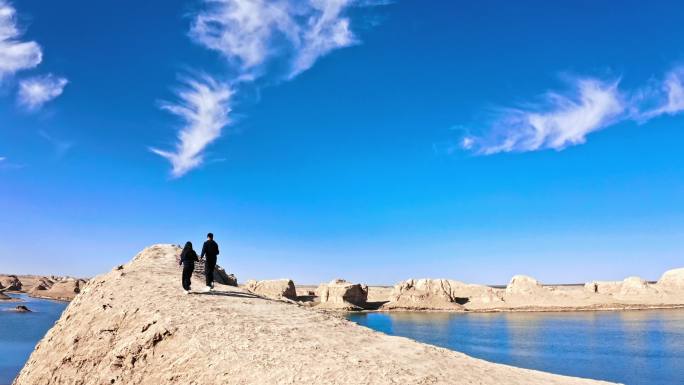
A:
210, 251
188, 258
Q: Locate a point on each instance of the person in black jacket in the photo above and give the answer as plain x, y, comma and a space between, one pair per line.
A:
210, 250
188, 258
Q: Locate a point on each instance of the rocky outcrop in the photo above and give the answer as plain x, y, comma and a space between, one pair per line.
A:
440, 294
524, 293
424, 294
523, 285
22, 309
222, 277
10, 282
672, 280
134, 326
636, 287
340, 294
630, 287
64, 290
274, 289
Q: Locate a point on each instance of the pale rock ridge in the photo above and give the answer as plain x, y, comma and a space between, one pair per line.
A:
630, 287
672, 280
134, 326
440, 294
274, 289
525, 293
340, 294
523, 284
65, 289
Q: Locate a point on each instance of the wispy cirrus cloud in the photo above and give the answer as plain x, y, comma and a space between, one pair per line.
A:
669, 97
249, 33
34, 92
61, 146
557, 122
203, 104
252, 35
563, 120
15, 55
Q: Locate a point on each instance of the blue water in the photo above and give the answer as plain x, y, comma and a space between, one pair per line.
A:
630, 347
20, 332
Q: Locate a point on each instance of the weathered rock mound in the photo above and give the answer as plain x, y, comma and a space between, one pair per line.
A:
441, 294
274, 289
524, 285
135, 326
672, 280
65, 289
631, 288
426, 294
340, 294
10, 282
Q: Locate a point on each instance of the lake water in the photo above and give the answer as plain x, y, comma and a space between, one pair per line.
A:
20, 332
630, 347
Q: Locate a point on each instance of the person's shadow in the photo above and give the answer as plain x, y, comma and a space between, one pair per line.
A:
235, 294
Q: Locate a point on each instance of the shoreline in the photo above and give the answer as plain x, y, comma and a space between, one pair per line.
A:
519, 310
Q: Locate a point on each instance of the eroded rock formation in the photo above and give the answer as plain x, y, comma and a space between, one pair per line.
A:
10, 282
275, 288
440, 294
340, 294
672, 280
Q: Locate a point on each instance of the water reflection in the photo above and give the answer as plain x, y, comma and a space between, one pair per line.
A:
631, 347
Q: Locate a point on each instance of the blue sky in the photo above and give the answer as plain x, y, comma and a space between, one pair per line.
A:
368, 140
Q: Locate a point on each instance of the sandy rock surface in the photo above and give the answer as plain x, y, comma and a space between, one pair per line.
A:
274, 289
340, 294
135, 326
672, 280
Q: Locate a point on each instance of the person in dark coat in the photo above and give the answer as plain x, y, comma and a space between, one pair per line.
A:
210, 252
188, 258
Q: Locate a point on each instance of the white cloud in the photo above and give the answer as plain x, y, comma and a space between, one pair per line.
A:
250, 32
2, 158
257, 37
15, 55
560, 122
204, 106
670, 96
36, 91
